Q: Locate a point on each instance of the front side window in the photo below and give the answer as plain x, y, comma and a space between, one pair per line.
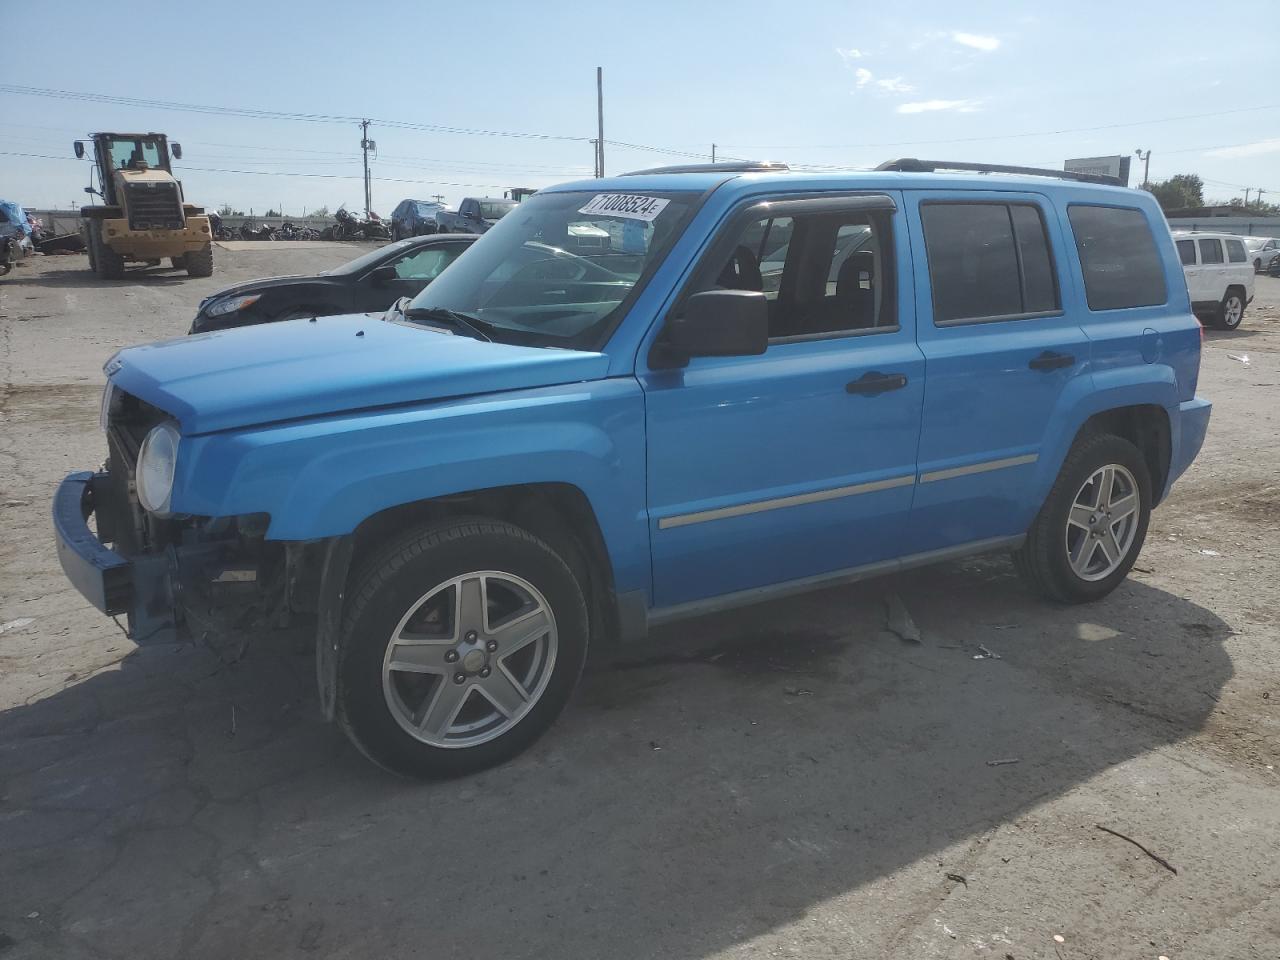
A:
1187, 252
1235, 251
532, 279
426, 264
495, 209
988, 261
823, 274
1118, 257
1211, 251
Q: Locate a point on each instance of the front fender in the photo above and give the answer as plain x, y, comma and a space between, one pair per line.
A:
1149, 385
321, 478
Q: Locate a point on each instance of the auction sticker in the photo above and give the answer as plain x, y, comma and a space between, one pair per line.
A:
630, 206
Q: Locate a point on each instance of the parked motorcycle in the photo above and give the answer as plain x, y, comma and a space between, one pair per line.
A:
250, 231
10, 253
351, 227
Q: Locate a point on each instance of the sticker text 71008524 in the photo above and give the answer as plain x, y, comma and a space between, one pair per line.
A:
629, 206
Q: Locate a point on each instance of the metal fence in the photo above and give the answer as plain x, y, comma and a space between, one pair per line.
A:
1241, 226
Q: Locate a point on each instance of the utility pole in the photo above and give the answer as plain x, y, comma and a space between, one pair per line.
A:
1246, 195
1146, 166
438, 197
713, 153
595, 151
1258, 198
600, 121
366, 145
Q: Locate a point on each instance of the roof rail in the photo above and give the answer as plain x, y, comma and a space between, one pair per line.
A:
730, 166
912, 165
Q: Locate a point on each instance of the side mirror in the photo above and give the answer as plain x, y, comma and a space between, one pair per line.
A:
176, 149
382, 275
719, 323
79, 147
90, 190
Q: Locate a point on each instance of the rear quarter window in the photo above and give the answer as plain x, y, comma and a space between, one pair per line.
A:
1118, 257
1187, 252
1235, 251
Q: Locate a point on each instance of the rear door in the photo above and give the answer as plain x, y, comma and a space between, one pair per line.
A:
999, 350
1213, 270
414, 269
799, 462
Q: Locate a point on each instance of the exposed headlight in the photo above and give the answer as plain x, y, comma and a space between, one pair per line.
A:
156, 464
232, 304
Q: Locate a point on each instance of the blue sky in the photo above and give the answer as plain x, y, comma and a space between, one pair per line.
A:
808, 82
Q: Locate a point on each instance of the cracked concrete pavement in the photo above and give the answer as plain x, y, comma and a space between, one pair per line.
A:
790, 780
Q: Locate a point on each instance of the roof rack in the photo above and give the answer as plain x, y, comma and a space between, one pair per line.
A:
912, 165
731, 166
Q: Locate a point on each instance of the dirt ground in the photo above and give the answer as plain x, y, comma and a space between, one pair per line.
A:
787, 781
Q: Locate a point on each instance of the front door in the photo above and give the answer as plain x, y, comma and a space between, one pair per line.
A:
799, 462
999, 349
414, 269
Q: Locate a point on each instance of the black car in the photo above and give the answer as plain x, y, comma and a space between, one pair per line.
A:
368, 283
415, 218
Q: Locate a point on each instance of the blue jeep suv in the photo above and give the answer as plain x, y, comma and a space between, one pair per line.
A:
755, 382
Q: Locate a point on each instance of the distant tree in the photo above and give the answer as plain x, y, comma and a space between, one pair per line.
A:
226, 211
273, 213
319, 212
1179, 191
1255, 206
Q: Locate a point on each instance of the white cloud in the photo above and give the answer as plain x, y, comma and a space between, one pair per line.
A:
849, 53
977, 41
863, 75
1257, 149
894, 85
929, 106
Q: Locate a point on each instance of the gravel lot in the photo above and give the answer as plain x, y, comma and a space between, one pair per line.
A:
791, 780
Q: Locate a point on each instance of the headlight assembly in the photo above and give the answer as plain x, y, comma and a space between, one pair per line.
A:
232, 304
157, 462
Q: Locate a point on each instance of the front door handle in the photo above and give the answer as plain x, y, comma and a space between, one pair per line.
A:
873, 383
1052, 360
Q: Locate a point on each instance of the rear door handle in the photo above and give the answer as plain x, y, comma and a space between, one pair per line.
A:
1052, 360
873, 383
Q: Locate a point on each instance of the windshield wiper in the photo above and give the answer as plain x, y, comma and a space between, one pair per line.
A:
474, 326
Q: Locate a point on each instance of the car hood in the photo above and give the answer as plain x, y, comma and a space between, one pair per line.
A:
301, 368
256, 286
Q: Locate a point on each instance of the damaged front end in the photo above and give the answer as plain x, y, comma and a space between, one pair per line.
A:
173, 576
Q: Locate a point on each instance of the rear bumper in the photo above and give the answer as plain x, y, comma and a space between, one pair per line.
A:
141, 589
1188, 436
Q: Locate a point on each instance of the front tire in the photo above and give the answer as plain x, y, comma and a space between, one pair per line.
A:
109, 264
199, 263
460, 646
1089, 531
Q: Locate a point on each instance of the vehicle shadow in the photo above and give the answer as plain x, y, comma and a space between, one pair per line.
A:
84, 278
699, 793
1238, 334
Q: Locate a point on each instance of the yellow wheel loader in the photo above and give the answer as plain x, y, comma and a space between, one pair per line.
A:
144, 216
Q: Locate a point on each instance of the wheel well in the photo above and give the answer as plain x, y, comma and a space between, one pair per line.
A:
1238, 289
559, 514
1147, 428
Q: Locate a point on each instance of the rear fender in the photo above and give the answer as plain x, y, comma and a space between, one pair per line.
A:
1151, 385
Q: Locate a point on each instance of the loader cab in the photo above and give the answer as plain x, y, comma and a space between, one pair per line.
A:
130, 152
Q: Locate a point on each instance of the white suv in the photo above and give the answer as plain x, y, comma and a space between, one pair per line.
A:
1262, 251
1219, 276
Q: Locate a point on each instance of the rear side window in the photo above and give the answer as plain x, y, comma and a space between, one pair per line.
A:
988, 261
1187, 252
1210, 251
1118, 257
1235, 251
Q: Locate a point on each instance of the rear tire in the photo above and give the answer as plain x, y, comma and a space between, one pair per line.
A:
108, 264
414, 604
199, 263
1082, 544
178, 263
1230, 311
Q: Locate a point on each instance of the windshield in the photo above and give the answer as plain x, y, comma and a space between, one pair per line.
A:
370, 259
560, 267
496, 209
128, 153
